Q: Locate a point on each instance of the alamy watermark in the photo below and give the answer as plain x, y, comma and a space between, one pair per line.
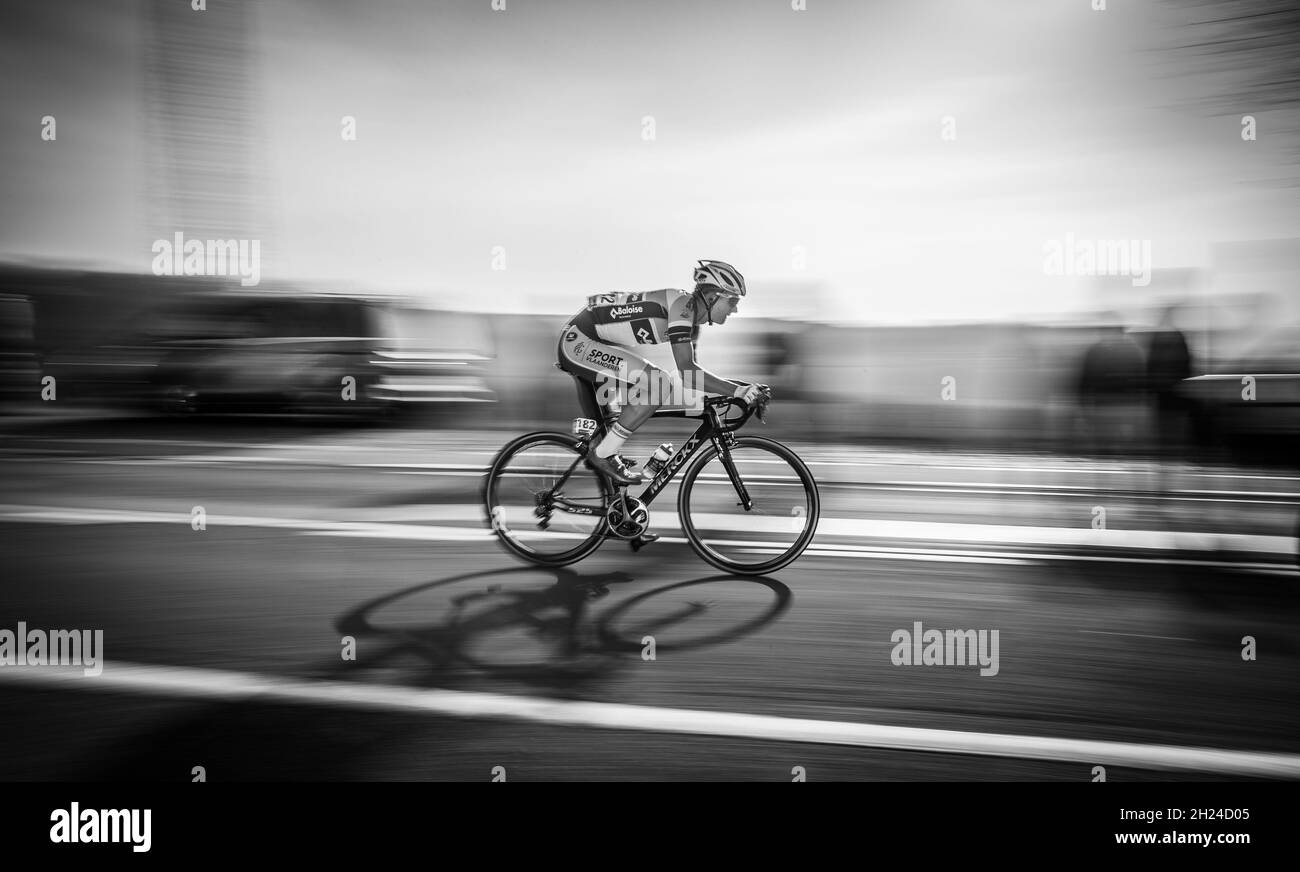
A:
77, 825
1099, 257
946, 648
651, 387
53, 648
215, 257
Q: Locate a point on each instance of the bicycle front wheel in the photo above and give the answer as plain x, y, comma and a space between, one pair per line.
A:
542, 501
779, 522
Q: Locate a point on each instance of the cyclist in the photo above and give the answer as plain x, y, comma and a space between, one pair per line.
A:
631, 340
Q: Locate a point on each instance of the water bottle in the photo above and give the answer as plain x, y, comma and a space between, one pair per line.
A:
659, 458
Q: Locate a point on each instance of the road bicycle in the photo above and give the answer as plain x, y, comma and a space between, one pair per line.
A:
746, 504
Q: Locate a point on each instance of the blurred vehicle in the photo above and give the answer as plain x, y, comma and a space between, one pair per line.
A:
432, 356
20, 362
277, 353
1255, 396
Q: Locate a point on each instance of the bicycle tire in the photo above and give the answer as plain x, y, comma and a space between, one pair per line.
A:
501, 526
761, 567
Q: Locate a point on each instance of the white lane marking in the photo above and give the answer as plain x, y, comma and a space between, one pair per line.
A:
399, 471
191, 460
991, 486
475, 467
1039, 557
902, 484
474, 470
436, 533
294, 446
812, 454
921, 555
1138, 636
1256, 570
188, 682
850, 528
403, 531
1055, 536
318, 527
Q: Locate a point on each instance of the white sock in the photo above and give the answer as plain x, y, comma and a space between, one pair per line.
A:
613, 440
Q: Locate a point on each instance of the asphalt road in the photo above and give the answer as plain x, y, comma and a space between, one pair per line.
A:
224, 647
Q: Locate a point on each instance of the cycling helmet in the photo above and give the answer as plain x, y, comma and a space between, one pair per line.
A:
722, 276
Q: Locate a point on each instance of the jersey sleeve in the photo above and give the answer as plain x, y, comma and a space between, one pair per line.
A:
681, 317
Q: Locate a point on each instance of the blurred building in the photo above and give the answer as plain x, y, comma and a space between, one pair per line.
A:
205, 142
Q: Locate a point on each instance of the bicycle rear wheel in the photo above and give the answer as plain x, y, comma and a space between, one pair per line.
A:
542, 501
782, 517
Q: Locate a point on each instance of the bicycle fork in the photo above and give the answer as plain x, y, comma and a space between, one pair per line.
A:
724, 445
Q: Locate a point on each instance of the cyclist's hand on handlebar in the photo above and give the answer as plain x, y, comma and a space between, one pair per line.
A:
748, 394
765, 397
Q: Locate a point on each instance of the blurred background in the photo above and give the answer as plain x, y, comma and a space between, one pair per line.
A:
438, 187
923, 198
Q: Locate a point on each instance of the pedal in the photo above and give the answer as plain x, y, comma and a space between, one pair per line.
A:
643, 540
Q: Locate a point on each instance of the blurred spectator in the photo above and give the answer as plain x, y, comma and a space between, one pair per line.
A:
20, 362
1112, 392
781, 364
1169, 363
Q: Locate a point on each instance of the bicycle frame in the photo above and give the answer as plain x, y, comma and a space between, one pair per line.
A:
712, 428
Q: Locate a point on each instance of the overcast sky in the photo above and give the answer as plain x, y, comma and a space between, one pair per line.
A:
774, 129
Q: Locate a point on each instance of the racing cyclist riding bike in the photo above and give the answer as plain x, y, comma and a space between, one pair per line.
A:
630, 340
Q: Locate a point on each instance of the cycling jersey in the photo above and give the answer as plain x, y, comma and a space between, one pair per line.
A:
632, 319
625, 341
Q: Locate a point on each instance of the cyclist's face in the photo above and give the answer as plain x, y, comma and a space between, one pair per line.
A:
723, 306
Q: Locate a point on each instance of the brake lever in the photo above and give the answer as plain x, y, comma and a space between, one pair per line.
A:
763, 400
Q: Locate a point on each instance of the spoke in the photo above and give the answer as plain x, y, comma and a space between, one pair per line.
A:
780, 510
545, 506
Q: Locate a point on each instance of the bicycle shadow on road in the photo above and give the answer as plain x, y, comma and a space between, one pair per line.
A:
537, 626
622, 629
527, 624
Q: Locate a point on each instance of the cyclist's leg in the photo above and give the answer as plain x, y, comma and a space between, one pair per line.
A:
657, 385
639, 402
640, 407
619, 374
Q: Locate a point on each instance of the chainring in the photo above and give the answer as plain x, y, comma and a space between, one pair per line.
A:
628, 517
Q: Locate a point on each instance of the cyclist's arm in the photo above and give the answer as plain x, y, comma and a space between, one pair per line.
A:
684, 355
